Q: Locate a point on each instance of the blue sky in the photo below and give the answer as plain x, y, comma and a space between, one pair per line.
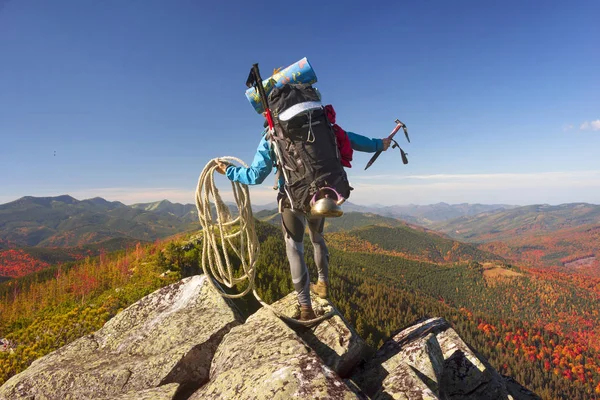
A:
502, 98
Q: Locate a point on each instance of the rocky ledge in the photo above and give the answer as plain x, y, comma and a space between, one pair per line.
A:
185, 341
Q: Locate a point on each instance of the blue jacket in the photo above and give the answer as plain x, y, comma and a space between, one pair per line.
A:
262, 165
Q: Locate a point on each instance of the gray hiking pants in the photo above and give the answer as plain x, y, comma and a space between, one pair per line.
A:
294, 223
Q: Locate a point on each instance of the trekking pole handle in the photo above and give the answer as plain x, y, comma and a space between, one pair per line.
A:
262, 94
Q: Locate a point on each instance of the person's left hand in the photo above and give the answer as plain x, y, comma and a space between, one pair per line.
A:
386, 143
221, 167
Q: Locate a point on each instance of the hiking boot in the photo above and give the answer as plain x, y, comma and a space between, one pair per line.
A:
307, 313
320, 288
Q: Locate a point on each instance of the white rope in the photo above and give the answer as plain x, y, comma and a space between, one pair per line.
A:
237, 235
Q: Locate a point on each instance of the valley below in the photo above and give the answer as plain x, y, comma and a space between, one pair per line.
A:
526, 296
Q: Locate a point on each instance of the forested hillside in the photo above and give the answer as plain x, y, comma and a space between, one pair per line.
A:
564, 238
412, 242
25, 260
541, 331
43, 311
350, 220
573, 250
36, 232
521, 221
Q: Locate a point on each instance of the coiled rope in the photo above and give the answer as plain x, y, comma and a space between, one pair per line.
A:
235, 234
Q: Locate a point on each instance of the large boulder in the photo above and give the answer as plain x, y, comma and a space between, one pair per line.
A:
266, 359
168, 337
333, 339
518, 391
430, 361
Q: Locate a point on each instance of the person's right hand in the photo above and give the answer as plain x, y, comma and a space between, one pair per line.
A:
386, 143
221, 167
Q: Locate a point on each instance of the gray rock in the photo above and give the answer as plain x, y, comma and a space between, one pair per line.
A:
405, 383
169, 336
518, 391
334, 340
415, 339
465, 374
164, 392
430, 361
266, 359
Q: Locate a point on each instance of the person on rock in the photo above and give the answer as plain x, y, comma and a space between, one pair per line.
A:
294, 221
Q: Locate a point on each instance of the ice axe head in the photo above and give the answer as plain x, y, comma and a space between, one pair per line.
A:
398, 122
253, 77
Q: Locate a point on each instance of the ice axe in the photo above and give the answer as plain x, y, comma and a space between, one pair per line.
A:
399, 124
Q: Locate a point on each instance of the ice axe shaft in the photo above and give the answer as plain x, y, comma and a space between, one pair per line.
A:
372, 160
399, 125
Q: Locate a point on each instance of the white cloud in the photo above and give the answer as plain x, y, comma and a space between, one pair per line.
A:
127, 195
261, 194
534, 176
509, 188
590, 125
568, 127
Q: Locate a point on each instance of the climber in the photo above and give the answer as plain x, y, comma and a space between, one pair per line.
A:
294, 221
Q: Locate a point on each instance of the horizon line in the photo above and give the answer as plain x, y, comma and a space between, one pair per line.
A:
376, 205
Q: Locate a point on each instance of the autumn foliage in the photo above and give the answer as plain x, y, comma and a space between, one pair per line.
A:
39, 315
15, 263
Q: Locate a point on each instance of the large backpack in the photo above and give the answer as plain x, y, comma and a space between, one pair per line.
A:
305, 145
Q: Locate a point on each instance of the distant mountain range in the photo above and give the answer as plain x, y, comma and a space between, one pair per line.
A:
510, 231
519, 221
427, 215
39, 231
63, 221
565, 236
185, 212
350, 220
